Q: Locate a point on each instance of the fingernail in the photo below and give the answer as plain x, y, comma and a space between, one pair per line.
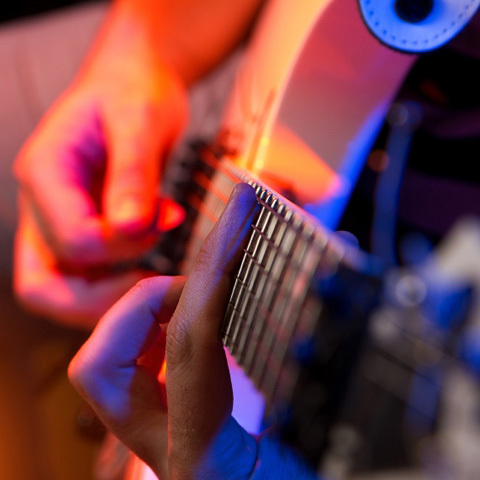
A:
129, 210
170, 215
242, 199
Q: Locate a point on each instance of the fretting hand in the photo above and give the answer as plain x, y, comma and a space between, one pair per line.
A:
117, 370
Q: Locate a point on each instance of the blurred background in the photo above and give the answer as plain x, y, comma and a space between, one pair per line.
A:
46, 431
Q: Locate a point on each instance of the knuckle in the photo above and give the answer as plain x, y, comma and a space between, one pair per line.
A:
207, 261
82, 375
178, 342
145, 284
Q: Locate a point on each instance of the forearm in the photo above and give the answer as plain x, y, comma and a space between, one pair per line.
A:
189, 36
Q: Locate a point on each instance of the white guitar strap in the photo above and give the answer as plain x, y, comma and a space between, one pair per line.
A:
416, 26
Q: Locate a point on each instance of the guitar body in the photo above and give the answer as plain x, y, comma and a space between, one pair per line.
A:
308, 100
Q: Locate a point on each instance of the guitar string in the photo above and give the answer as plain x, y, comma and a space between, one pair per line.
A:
246, 298
222, 200
203, 209
266, 278
288, 313
279, 298
205, 183
288, 323
251, 248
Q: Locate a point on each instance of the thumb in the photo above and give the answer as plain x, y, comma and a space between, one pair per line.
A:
139, 136
132, 171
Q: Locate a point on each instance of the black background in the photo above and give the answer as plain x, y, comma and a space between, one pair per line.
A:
12, 10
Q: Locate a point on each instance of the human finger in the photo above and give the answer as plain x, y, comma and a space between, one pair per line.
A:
60, 170
140, 130
198, 382
108, 370
67, 297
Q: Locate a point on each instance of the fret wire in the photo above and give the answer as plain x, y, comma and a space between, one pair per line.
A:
262, 313
245, 265
305, 315
274, 245
231, 316
281, 306
293, 314
237, 301
241, 287
294, 249
217, 191
258, 287
264, 262
255, 289
260, 244
253, 245
250, 319
268, 295
262, 352
295, 222
227, 180
241, 300
258, 331
283, 330
255, 271
249, 290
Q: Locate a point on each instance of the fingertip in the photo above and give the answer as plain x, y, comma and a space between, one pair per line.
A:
240, 211
170, 215
134, 216
223, 246
131, 215
243, 196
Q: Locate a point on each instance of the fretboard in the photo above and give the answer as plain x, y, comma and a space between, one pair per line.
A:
271, 307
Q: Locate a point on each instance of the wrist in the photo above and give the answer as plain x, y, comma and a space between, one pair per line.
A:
136, 31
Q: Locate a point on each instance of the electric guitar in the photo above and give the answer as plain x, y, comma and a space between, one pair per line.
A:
298, 128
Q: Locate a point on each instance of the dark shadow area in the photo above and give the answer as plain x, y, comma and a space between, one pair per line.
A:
25, 8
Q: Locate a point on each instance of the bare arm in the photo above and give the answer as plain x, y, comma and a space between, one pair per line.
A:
191, 36
89, 173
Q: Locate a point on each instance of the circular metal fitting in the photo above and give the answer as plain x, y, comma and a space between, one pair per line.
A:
416, 26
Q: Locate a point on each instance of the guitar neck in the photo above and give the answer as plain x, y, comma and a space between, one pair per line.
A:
270, 306
287, 323
274, 306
